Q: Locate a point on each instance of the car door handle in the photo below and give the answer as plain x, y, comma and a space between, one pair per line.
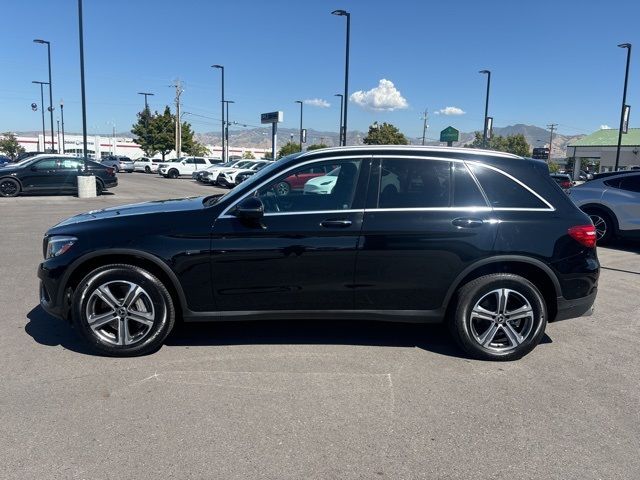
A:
336, 223
466, 222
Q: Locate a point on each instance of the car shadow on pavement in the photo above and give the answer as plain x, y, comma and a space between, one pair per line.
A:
624, 245
46, 330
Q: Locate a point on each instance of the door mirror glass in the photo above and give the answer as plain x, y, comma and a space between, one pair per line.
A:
250, 208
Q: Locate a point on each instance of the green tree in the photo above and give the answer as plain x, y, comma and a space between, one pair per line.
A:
385, 134
267, 156
515, 144
142, 132
288, 148
316, 146
553, 167
248, 155
162, 131
9, 145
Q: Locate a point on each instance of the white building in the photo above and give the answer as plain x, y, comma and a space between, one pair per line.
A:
101, 146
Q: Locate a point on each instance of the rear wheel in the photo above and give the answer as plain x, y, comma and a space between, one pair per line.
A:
123, 310
147, 169
9, 187
99, 187
603, 224
499, 317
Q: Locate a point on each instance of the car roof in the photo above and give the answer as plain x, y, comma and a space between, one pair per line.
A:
415, 148
599, 176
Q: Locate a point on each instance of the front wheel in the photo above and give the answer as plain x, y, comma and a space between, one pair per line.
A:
173, 173
499, 317
147, 169
9, 187
123, 310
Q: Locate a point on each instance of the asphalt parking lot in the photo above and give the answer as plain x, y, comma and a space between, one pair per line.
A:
286, 400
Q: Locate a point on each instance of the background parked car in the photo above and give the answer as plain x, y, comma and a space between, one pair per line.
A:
184, 166
118, 163
228, 177
4, 159
212, 175
612, 200
146, 165
51, 174
564, 181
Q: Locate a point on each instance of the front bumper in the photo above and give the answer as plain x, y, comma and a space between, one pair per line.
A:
49, 295
577, 307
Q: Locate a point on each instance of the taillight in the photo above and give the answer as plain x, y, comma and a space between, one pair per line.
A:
566, 184
584, 234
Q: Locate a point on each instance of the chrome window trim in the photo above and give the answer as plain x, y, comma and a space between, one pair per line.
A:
315, 160
413, 148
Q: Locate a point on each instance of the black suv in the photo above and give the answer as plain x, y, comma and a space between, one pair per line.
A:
484, 241
51, 174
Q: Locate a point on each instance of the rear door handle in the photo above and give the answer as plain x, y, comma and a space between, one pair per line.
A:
466, 222
336, 223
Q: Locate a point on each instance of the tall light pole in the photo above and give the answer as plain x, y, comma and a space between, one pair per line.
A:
343, 133
624, 102
44, 42
226, 131
301, 103
62, 121
44, 138
83, 95
221, 67
486, 108
146, 94
340, 127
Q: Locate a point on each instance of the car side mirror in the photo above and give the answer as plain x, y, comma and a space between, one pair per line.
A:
250, 208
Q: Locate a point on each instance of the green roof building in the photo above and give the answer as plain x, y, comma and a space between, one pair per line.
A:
601, 147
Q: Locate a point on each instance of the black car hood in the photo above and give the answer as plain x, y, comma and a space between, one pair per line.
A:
146, 208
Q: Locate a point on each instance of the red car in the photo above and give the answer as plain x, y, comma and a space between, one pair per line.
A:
298, 181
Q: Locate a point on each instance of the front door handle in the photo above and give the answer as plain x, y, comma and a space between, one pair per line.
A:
336, 223
467, 222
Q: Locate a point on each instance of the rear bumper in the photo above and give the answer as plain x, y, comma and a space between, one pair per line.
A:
577, 307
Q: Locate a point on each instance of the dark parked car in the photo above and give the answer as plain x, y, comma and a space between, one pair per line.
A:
4, 160
483, 241
51, 174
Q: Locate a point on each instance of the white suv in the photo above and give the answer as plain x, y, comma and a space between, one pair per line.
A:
185, 166
146, 165
228, 177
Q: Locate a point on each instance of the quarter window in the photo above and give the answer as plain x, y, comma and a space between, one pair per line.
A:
408, 183
630, 183
70, 164
465, 190
503, 192
312, 188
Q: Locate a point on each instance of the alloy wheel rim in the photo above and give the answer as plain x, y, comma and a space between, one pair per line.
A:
282, 188
501, 320
8, 188
600, 224
120, 313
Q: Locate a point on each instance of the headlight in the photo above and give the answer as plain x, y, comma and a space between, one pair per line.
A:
57, 245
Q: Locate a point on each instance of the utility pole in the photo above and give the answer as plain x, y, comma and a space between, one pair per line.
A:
62, 120
179, 90
424, 126
551, 127
58, 122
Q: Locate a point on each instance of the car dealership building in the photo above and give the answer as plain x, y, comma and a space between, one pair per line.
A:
601, 147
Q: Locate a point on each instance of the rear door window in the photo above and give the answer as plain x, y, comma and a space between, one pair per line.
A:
412, 183
504, 192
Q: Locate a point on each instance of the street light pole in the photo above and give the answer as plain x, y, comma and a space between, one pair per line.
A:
340, 127
624, 102
226, 131
486, 108
44, 137
301, 103
62, 121
344, 13
48, 44
221, 67
146, 94
82, 89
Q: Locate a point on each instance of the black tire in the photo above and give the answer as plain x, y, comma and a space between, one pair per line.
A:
99, 187
467, 327
9, 187
173, 173
147, 169
282, 188
605, 228
155, 300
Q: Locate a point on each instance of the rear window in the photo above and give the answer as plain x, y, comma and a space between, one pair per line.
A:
407, 183
503, 192
630, 183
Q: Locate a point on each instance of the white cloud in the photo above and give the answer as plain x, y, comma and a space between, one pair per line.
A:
384, 97
450, 111
317, 102
604, 127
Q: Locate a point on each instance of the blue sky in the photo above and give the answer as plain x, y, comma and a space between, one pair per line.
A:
551, 61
